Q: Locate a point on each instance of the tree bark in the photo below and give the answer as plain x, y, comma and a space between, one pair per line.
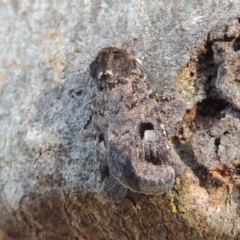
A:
49, 177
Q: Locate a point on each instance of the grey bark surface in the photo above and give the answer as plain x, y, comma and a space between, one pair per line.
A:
49, 178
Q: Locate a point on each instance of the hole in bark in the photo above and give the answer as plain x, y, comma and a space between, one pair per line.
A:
208, 54
79, 92
209, 79
144, 127
237, 169
70, 92
73, 93
211, 107
100, 88
217, 142
101, 138
227, 39
104, 171
236, 44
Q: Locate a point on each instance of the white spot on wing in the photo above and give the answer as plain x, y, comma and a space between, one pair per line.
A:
107, 73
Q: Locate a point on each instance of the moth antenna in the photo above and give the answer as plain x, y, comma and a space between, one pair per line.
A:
150, 76
158, 63
84, 91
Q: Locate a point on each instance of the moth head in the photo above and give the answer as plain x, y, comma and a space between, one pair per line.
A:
111, 63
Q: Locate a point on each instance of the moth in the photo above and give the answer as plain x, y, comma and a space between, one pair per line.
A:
131, 143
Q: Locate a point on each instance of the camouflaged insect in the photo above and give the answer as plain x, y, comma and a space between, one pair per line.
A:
131, 143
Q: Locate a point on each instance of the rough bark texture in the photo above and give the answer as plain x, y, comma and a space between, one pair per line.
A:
49, 180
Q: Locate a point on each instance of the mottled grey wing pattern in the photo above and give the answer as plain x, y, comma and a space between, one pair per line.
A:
132, 147
114, 190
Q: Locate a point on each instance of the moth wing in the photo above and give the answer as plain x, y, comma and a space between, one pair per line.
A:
114, 190
138, 152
